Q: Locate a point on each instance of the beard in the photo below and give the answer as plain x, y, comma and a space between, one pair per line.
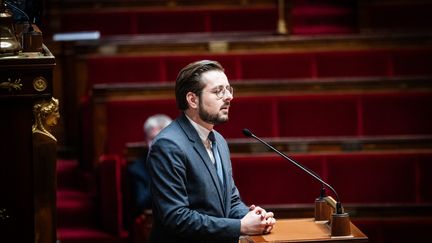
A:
211, 118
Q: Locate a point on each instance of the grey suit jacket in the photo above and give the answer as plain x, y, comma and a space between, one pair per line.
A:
189, 202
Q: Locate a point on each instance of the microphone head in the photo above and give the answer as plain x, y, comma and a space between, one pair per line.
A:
247, 133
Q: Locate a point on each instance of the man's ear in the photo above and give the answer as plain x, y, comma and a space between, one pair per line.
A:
192, 100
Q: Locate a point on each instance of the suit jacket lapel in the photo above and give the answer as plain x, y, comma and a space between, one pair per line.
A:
224, 155
201, 150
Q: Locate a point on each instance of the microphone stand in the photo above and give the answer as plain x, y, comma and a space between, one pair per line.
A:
340, 220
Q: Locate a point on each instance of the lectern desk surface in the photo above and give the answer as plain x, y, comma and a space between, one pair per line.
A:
305, 230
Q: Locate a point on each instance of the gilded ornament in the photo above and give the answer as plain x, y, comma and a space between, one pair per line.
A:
3, 214
46, 114
40, 84
11, 85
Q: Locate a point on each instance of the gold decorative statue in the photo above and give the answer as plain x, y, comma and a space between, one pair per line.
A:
46, 114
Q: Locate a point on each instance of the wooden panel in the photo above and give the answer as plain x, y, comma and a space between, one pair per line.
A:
23, 81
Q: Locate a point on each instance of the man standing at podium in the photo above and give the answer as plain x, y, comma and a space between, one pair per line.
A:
193, 193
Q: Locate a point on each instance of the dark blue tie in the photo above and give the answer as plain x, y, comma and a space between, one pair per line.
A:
218, 162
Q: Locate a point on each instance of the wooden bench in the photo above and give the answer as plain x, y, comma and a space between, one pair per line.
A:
148, 20
317, 115
263, 65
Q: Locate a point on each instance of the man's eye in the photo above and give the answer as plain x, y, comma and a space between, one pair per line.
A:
218, 90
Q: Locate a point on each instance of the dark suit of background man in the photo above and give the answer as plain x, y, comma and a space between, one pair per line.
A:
137, 171
191, 203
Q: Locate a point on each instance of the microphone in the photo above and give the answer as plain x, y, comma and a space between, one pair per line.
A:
339, 210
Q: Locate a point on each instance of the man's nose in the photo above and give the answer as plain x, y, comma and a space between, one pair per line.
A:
228, 95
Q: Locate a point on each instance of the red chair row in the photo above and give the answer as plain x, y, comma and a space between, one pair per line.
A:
382, 178
256, 65
308, 115
129, 21
306, 17
360, 178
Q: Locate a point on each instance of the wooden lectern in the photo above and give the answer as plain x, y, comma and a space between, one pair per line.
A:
327, 226
331, 223
305, 230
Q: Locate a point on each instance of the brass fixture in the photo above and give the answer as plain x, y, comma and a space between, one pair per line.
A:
9, 44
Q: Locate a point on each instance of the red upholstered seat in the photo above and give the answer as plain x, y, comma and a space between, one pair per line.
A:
272, 180
107, 22
318, 115
258, 114
360, 178
424, 178
124, 69
174, 63
397, 113
374, 178
247, 19
277, 66
160, 21
412, 62
371, 63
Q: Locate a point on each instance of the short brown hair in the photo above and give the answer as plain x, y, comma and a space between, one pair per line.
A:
189, 80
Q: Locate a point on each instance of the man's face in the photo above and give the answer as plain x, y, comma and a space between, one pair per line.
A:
213, 109
51, 119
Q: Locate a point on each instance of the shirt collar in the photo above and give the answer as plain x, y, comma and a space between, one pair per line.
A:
202, 131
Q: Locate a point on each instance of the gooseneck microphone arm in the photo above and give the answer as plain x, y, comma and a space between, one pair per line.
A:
248, 133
